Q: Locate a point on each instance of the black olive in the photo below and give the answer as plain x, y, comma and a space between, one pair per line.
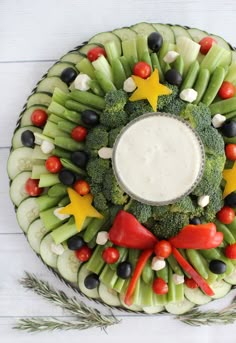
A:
91, 281
229, 128
124, 270
90, 117
230, 200
68, 75
217, 267
75, 242
67, 177
79, 158
173, 77
195, 221
155, 41
27, 138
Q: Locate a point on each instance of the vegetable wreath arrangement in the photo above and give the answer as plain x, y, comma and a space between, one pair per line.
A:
123, 175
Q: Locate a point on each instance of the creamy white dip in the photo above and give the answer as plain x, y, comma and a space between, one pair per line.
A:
157, 159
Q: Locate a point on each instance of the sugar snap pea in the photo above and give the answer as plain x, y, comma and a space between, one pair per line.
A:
215, 83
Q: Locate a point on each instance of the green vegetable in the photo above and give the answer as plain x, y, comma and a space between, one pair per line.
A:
165, 100
112, 190
212, 140
175, 107
100, 202
215, 204
185, 205
142, 212
96, 169
96, 138
137, 108
170, 224
112, 135
199, 116
159, 212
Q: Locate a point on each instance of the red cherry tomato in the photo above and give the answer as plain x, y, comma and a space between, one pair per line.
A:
226, 215
190, 283
206, 43
163, 249
159, 286
226, 90
84, 253
32, 187
230, 151
39, 117
53, 164
142, 69
94, 53
82, 187
110, 255
79, 133
230, 251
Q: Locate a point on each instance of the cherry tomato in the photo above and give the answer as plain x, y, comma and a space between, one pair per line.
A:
226, 215
110, 255
163, 249
84, 253
79, 133
230, 251
94, 53
32, 187
230, 151
206, 43
82, 187
159, 286
226, 90
39, 117
142, 69
53, 164
190, 283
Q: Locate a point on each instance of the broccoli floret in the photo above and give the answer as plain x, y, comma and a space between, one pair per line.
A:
212, 140
159, 212
115, 101
112, 190
112, 135
166, 100
185, 205
96, 169
137, 108
100, 202
113, 119
212, 175
95, 188
142, 212
175, 107
96, 138
170, 225
215, 204
199, 116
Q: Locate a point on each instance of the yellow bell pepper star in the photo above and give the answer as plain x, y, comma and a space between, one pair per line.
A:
229, 176
149, 89
80, 207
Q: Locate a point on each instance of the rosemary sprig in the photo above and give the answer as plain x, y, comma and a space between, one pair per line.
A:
196, 317
85, 316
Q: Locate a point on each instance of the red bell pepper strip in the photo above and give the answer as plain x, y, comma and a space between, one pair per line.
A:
127, 232
136, 274
192, 272
202, 236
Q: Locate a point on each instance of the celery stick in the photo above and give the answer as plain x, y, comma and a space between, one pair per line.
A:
171, 296
118, 73
142, 46
123, 255
96, 88
69, 144
102, 64
87, 98
108, 276
66, 126
59, 96
38, 169
45, 202
47, 180
54, 118
179, 292
52, 130
86, 67
106, 84
50, 221
111, 50
130, 51
76, 106
96, 262
146, 298
126, 66
56, 108
214, 57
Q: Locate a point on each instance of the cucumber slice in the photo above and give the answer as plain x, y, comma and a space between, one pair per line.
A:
196, 296
83, 273
50, 83
19, 160
72, 57
109, 296
143, 28
133, 307
153, 309
16, 140
125, 33
197, 35
231, 279
87, 47
48, 256
179, 307
38, 99
189, 50
26, 115
220, 289
68, 265
180, 31
166, 32
17, 189
58, 68
27, 212
104, 37
221, 42
35, 234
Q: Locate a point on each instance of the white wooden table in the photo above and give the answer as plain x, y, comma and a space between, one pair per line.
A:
33, 34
